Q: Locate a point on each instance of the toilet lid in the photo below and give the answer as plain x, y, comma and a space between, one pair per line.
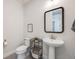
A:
21, 48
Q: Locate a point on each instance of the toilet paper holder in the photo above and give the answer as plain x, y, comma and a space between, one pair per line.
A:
5, 42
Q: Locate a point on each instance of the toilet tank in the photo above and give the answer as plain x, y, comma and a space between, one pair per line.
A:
27, 42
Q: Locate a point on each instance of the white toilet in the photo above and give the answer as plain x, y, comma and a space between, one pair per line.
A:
21, 51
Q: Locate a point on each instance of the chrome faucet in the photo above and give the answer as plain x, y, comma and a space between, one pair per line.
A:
53, 37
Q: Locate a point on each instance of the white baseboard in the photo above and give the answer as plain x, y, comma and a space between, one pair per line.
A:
8, 54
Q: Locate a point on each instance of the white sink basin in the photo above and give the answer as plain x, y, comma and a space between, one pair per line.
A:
52, 43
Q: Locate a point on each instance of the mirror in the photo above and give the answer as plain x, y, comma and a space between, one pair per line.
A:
54, 20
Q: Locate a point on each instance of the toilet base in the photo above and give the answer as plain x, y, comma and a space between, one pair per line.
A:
21, 56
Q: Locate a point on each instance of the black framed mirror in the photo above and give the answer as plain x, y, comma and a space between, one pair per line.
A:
54, 20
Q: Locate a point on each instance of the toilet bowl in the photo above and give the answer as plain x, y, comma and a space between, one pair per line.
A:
21, 50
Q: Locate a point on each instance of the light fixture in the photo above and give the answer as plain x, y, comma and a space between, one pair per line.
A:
48, 4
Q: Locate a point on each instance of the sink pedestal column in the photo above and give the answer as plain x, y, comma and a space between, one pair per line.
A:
51, 53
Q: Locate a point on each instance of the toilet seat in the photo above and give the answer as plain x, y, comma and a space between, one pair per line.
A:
21, 49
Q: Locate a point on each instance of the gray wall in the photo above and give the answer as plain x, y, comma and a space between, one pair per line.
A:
34, 13
13, 25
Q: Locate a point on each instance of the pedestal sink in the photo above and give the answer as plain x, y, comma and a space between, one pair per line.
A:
52, 43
